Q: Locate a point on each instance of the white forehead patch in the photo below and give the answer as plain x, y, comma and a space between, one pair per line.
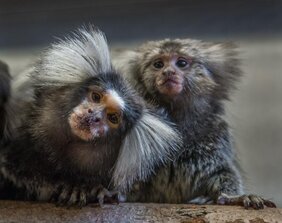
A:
116, 96
79, 108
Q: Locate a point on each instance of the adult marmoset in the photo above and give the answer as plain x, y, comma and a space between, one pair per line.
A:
190, 80
81, 132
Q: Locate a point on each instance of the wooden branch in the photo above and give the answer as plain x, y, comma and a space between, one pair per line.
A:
29, 212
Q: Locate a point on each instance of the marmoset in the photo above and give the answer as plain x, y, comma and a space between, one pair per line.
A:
190, 80
83, 131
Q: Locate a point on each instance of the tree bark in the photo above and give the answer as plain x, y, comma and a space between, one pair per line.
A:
12, 211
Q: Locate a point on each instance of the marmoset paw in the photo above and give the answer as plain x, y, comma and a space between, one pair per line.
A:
106, 196
70, 197
248, 201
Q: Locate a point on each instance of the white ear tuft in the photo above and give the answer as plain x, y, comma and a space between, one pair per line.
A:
81, 55
150, 143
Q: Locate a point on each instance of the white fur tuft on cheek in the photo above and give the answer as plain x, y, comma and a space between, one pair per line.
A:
152, 141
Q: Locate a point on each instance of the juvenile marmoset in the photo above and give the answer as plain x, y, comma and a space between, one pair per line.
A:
190, 80
81, 130
4, 94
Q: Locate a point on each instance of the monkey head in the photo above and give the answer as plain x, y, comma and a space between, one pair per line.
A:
102, 109
169, 71
186, 69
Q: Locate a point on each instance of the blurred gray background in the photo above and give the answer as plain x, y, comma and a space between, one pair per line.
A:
255, 112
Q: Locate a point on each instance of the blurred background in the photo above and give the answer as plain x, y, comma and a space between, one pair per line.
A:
255, 112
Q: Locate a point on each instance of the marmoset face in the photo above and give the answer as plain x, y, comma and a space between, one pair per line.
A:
99, 113
169, 71
173, 70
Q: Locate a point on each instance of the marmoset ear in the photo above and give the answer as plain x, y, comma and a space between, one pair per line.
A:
222, 60
126, 61
81, 57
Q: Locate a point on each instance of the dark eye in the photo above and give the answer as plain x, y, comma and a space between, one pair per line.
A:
158, 64
96, 97
181, 63
113, 118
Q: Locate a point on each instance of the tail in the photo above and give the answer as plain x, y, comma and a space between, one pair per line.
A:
150, 143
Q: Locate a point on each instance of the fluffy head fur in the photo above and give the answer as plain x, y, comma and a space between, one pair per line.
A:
212, 72
84, 55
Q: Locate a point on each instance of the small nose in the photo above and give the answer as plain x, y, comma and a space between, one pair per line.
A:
169, 71
96, 119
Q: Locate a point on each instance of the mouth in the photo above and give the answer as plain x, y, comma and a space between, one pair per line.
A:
98, 131
170, 86
168, 81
